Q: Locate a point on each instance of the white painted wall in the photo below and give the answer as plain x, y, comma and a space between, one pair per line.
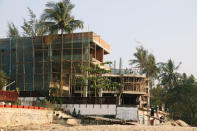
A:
127, 113
91, 109
27, 101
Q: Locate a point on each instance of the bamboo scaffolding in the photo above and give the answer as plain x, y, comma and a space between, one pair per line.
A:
43, 67
33, 64
16, 61
24, 74
10, 66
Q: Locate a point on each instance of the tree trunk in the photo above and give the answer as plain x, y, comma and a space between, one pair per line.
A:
71, 64
61, 66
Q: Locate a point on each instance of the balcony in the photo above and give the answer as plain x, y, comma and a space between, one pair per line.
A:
97, 62
134, 90
100, 42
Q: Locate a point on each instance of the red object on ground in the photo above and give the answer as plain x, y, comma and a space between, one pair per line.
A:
8, 106
152, 122
20, 106
1, 105
14, 106
41, 108
36, 108
31, 107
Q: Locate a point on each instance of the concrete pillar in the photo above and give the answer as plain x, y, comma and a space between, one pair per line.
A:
101, 93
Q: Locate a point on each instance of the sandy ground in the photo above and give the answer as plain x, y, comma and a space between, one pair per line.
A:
60, 127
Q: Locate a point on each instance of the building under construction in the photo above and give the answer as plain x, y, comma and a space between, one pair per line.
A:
37, 66
135, 88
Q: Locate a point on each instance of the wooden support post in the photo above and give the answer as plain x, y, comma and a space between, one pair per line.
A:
43, 66
16, 61
33, 56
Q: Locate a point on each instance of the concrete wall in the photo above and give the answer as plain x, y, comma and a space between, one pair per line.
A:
28, 101
127, 113
19, 116
91, 109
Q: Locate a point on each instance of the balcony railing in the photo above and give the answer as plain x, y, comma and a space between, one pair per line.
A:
135, 89
86, 100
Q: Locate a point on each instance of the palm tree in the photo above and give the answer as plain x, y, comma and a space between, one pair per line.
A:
57, 17
151, 69
169, 76
140, 61
145, 62
147, 65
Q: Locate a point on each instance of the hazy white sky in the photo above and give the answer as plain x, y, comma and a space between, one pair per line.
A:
167, 28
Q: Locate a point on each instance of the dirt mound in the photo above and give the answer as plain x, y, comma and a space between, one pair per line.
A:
170, 123
73, 122
182, 123
179, 123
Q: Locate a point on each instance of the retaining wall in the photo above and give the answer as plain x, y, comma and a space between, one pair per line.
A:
91, 109
127, 113
21, 116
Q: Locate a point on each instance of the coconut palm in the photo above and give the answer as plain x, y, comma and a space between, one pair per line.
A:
169, 76
151, 69
57, 17
145, 62
140, 58
147, 65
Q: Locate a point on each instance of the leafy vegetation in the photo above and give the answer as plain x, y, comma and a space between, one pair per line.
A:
57, 17
2, 79
96, 79
177, 91
145, 61
168, 74
33, 27
12, 30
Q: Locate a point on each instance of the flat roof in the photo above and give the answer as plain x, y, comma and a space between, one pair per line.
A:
93, 37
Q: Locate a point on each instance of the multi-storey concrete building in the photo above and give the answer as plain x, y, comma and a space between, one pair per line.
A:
36, 66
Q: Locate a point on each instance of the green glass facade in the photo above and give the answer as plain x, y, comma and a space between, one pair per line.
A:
35, 65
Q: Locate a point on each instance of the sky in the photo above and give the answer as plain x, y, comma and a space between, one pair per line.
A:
167, 28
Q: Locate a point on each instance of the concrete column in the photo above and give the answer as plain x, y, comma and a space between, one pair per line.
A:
100, 92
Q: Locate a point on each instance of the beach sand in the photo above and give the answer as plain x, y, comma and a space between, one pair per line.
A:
60, 127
